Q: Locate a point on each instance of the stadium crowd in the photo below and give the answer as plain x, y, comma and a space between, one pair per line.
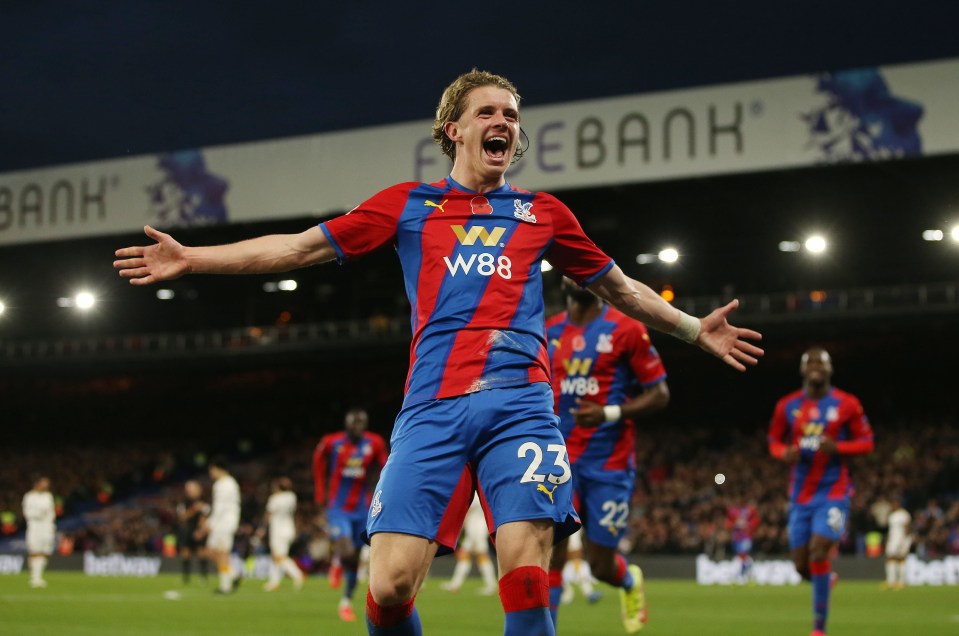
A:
679, 508
122, 497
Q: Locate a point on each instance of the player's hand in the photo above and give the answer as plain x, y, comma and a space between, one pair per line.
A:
726, 342
791, 456
828, 445
588, 414
164, 260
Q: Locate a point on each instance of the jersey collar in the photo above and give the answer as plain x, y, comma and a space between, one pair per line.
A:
506, 187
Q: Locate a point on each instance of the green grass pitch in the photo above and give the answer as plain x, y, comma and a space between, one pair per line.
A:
74, 604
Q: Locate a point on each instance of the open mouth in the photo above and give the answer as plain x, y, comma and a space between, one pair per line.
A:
496, 147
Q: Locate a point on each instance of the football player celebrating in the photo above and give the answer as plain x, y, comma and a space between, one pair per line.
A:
478, 404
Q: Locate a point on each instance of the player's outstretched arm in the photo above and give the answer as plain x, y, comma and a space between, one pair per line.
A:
713, 333
167, 259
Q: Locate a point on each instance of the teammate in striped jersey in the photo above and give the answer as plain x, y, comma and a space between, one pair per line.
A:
346, 465
815, 429
478, 406
605, 373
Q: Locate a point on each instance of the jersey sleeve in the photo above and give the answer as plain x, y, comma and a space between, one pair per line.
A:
370, 225
754, 520
29, 512
730, 518
860, 431
320, 460
777, 431
644, 360
572, 252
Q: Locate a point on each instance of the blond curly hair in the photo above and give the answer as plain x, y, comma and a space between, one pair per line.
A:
453, 103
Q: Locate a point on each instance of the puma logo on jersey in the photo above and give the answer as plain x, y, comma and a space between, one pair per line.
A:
470, 236
549, 493
438, 206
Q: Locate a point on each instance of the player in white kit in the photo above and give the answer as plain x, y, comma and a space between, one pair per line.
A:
280, 510
473, 544
898, 542
222, 523
40, 514
577, 572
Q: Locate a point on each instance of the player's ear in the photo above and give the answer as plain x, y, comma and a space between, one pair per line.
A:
452, 130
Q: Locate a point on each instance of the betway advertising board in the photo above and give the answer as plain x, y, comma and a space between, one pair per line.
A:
869, 114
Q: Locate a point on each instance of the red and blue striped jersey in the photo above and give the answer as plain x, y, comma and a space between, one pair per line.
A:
742, 521
471, 264
343, 476
607, 361
803, 422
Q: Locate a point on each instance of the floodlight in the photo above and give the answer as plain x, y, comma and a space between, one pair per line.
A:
669, 255
954, 233
165, 294
286, 285
789, 246
932, 235
2, 307
84, 300
816, 244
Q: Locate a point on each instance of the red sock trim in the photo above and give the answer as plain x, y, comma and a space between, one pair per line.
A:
556, 578
818, 568
387, 616
524, 588
620, 568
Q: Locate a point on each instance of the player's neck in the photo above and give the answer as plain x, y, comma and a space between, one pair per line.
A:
581, 314
477, 183
817, 391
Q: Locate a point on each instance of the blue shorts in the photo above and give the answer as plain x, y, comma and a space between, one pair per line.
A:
743, 546
603, 502
505, 443
827, 519
346, 524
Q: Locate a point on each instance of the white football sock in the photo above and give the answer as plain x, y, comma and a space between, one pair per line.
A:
485, 566
289, 567
37, 565
459, 573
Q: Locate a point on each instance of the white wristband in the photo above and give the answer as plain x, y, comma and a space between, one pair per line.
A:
613, 412
687, 329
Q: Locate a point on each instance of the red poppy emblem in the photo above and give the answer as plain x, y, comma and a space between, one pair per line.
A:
481, 205
579, 343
